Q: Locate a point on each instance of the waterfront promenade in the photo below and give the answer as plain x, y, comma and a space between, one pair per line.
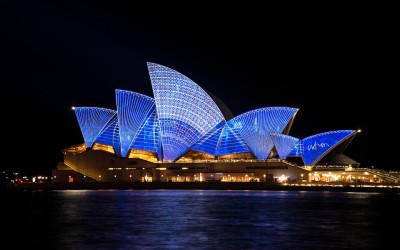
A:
298, 186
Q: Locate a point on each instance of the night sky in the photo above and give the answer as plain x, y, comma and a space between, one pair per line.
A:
335, 61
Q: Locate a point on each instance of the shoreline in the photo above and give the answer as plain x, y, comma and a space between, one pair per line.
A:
353, 187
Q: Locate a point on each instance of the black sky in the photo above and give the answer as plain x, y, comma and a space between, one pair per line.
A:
335, 61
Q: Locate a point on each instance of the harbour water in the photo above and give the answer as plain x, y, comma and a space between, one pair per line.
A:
200, 219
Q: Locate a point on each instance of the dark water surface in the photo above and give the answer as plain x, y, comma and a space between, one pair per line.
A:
195, 219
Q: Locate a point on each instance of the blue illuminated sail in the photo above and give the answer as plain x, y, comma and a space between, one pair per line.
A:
317, 146
256, 125
297, 150
93, 121
149, 136
134, 110
283, 144
231, 142
210, 142
185, 111
110, 136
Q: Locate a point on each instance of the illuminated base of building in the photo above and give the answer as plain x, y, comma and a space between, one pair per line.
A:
100, 166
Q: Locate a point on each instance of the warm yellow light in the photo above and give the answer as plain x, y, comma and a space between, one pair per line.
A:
282, 178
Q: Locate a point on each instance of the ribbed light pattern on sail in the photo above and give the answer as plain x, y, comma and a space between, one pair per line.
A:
283, 144
255, 127
316, 146
110, 136
92, 121
133, 110
210, 142
185, 111
149, 136
231, 142
297, 150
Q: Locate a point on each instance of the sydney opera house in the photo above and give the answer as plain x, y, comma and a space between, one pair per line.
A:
186, 134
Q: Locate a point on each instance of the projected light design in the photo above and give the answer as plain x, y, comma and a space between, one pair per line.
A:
185, 111
110, 135
133, 111
284, 144
297, 151
255, 127
210, 142
231, 143
148, 137
183, 117
221, 140
92, 121
316, 146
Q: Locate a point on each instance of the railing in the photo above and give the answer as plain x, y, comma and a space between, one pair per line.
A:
385, 175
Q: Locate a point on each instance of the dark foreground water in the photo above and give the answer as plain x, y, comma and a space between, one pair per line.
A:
194, 219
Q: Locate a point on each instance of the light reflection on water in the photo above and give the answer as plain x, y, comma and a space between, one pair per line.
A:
195, 219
